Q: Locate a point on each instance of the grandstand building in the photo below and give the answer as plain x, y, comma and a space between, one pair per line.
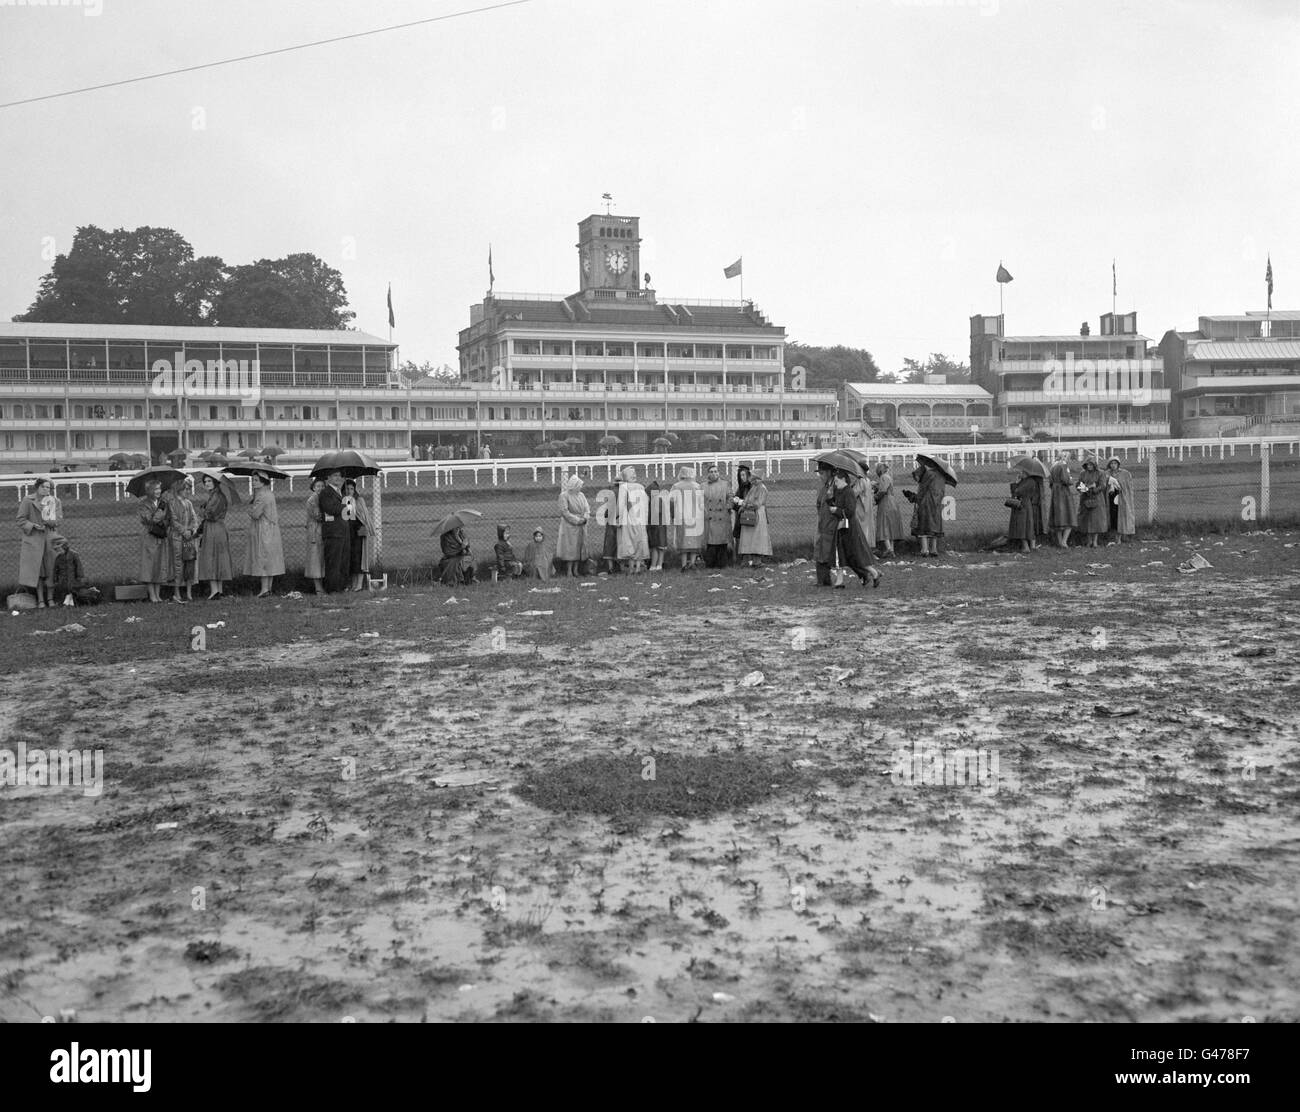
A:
615, 360
1073, 386
1236, 375
936, 411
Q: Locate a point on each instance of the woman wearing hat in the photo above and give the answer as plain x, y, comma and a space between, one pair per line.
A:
537, 562
889, 514
688, 517
214, 550
927, 521
182, 526
1094, 517
1024, 497
656, 529
264, 556
155, 545
1063, 515
314, 567
360, 543
752, 539
611, 502
34, 566
633, 544
575, 512
1119, 499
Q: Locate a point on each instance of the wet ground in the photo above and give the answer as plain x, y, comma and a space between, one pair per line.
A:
1055, 788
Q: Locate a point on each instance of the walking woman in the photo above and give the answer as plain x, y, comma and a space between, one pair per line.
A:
264, 556
752, 539
889, 514
1063, 516
213, 563
575, 512
853, 542
1119, 500
862, 526
33, 572
181, 529
829, 522
155, 543
1094, 518
927, 523
314, 567
356, 514
1022, 503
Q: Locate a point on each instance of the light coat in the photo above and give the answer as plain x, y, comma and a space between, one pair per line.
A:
1127, 508
754, 539
264, 554
717, 513
314, 568
571, 538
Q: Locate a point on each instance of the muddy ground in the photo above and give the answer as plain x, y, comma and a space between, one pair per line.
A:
273, 843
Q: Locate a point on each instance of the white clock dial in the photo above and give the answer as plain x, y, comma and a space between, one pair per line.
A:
616, 261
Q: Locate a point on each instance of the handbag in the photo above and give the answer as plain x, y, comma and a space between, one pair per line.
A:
157, 529
1088, 501
189, 551
748, 517
1013, 503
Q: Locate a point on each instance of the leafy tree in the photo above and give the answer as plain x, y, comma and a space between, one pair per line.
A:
145, 276
427, 374
298, 291
937, 364
828, 368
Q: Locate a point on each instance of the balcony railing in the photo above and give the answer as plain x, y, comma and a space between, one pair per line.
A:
1137, 396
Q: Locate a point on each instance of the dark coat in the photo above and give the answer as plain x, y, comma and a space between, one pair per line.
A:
929, 504
1021, 525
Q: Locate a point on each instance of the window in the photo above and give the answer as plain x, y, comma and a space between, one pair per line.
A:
695, 414
78, 412
137, 412
680, 413
396, 413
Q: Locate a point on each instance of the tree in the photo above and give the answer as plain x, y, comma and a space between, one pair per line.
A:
145, 276
828, 368
427, 374
298, 291
937, 364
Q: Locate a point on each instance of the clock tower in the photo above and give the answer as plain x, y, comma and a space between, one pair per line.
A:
609, 253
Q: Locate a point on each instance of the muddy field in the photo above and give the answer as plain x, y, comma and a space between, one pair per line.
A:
586, 805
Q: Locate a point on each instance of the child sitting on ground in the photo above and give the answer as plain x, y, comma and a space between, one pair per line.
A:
537, 561
508, 565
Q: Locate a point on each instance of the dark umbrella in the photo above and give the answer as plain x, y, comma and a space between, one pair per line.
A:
119, 460
165, 475
671, 436
223, 483
352, 463
138, 459
216, 459
662, 442
273, 451
710, 436
949, 475
1033, 466
256, 467
249, 453
574, 440
609, 440
863, 459
457, 520
178, 455
841, 462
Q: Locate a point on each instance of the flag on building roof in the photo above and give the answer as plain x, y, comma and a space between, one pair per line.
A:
391, 322
491, 277
1268, 277
1004, 275
1114, 279
732, 270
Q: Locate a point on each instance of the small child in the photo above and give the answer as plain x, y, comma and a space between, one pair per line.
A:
537, 561
508, 565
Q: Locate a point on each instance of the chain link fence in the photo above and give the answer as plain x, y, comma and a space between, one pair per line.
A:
1246, 487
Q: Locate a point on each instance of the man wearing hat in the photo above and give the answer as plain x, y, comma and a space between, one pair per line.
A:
336, 534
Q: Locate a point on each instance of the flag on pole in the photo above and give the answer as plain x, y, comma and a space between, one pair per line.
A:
1114, 280
491, 277
1268, 278
391, 322
732, 270
1004, 275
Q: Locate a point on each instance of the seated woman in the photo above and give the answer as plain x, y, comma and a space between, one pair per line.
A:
456, 568
507, 565
537, 561
70, 583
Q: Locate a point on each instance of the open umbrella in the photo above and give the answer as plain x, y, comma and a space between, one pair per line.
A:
352, 463
249, 453
119, 461
1033, 466
273, 451
949, 475
609, 440
671, 436
457, 520
710, 436
841, 462
165, 475
662, 442
223, 483
575, 440
138, 459
863, 459
255, 467
177, 456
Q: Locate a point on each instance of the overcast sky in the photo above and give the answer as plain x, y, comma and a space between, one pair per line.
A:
872, 161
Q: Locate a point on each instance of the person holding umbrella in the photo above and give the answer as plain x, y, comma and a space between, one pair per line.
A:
314, 566
264, 555
336, 534
927, 527
1024, 494
155, 545
213, 563
456, 567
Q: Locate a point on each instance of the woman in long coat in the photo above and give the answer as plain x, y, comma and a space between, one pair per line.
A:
314, 567
656, 529
214, 548
360, 543
829, 521
1094, 517
1063, 516
575, 512
1119, 499
614, 508
155, 551
264, 556
753, 540
688, 517
864, 522
889, 514
32, 570
717, 519
181, 528
1024, 491
633, 544
853, 505
928, 520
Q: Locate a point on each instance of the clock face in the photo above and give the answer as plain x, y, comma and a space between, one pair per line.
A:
586, 265
616, 261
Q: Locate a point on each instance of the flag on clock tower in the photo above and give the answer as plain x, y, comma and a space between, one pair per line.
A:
732, 270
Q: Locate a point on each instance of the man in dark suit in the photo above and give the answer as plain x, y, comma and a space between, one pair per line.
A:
336, 536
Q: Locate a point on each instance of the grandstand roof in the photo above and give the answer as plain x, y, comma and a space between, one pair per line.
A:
196, 334
1252, 350
891, 391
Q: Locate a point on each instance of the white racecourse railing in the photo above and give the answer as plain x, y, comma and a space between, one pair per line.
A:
664, 465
